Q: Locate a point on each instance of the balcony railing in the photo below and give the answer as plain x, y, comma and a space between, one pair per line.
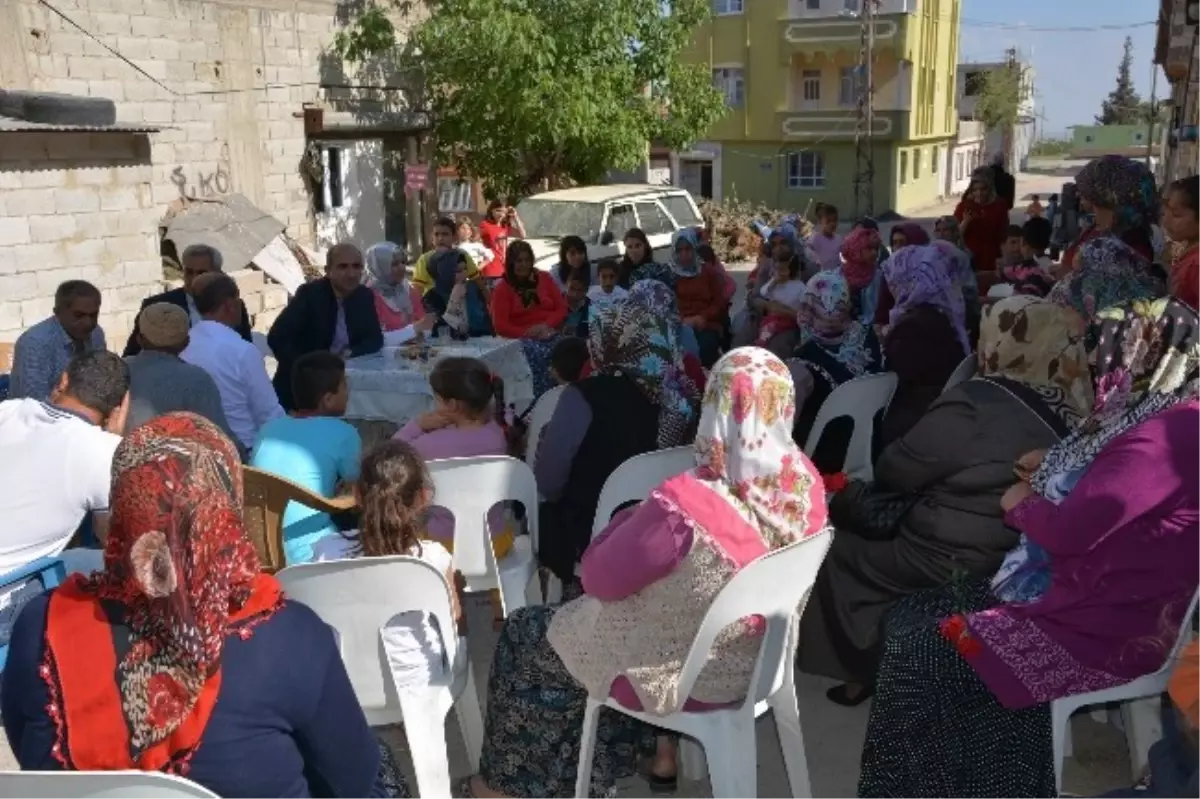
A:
835, 125
830, 34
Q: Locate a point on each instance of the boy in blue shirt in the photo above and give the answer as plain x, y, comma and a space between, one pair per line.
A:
313, 447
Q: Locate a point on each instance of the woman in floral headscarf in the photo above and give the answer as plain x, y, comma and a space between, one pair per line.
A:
648, 580
181, 640
637, 399
1107, 272
835, 346
952, 466
926, 336
1122, 197
983, 216
966, 679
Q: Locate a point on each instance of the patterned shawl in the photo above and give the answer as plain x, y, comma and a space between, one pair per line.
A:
860, 256
1147, 359
1107, 272
745, 452
182, 575
1124, 185
1033, 342
827, 320
636, 340
921, 275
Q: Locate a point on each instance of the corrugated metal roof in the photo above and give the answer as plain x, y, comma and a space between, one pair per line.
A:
10, 125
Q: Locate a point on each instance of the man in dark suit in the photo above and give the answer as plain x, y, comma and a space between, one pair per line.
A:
198, 259
335, 313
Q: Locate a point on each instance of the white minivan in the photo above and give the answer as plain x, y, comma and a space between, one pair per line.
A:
601, 215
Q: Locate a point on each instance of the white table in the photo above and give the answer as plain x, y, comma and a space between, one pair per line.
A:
388, 386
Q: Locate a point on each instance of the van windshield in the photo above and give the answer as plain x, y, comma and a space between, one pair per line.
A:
553, 219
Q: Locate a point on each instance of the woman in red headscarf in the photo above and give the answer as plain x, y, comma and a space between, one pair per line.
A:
181, 640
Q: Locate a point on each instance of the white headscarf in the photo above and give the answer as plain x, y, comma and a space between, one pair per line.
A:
379, 258
745, 452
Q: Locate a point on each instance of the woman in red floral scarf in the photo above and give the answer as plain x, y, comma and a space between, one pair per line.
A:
181, 641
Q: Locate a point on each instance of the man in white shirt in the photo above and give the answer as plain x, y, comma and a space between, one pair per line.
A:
56, 460
235, 364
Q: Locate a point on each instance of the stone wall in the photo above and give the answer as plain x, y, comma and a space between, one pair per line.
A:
228, 81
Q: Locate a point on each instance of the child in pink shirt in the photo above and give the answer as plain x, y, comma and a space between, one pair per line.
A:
462, 425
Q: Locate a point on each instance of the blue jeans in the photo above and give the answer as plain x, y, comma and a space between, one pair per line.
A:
688, 340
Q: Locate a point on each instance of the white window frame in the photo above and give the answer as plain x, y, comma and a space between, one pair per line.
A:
454, 195
852, 6
812, 5
810, 88
731, 80
847, 87
725, 8
800, 178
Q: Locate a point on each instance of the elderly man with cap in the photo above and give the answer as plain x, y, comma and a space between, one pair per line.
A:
335, 314
159, 380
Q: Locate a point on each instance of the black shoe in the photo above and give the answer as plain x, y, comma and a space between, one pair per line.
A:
839, 696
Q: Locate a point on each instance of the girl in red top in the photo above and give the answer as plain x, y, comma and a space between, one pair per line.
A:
527, 304
983, 217
499, 224
700, 292
1181, 226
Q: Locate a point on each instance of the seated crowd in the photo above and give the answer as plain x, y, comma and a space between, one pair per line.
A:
1027, 534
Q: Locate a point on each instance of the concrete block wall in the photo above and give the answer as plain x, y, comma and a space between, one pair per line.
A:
228, 81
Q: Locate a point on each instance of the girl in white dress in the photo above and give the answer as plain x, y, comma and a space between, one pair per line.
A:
394, 491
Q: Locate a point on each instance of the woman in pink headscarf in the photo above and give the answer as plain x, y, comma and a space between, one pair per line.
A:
860, 267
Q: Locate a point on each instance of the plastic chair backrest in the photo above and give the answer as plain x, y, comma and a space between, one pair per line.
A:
266, 498
634, 479
468, 488
791, 572
860, 399
1184, 637
356, 598
50, 572
98, 785
539, 417
962, 373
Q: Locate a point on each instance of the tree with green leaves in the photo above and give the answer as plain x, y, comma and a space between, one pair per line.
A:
998, 96
1123, 106
530, 93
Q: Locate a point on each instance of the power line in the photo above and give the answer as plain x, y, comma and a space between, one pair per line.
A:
206, 92
980, 23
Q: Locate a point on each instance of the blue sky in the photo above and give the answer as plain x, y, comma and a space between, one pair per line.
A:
1074, 70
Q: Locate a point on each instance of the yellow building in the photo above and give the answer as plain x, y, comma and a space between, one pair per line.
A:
788, 70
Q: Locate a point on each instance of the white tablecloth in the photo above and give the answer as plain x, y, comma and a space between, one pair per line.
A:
391, 387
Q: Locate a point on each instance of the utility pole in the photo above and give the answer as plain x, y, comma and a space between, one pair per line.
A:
864, 131
1014, 71
1153, 115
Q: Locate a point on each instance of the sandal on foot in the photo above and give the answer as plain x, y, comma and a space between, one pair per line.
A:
839, 695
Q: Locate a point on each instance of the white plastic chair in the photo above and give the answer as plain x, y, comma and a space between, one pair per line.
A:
539, 417
98, 785
860, 399
1143, 715
962, 373
634, 479
728, 735
468, 488
357, 598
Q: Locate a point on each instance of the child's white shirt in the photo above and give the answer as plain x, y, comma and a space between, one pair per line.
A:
599, 297
412, 640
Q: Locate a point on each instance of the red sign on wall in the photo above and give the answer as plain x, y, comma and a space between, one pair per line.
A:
416, 178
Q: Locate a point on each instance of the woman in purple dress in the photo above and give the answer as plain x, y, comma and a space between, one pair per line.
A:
1109, 519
